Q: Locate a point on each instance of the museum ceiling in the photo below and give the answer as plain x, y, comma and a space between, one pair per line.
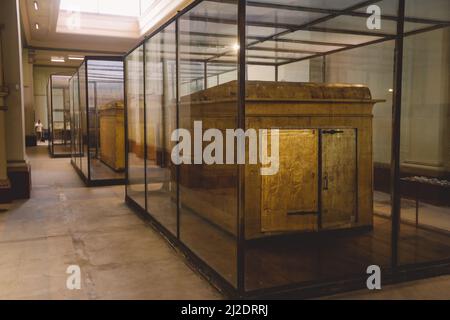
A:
56, 30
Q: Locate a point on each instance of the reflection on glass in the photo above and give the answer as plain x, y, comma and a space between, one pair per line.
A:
425, 172
76, 121
72, 119
106, 119
49, 114
208, 193
134, 66
59, 116
161, 121
98, 135
83, 121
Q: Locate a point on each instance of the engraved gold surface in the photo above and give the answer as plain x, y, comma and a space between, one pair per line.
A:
275, 91
339, 178
289, 199
112, 135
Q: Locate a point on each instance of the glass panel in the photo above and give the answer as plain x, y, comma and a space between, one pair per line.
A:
329, 38
388, 23
388, 7
134, 66
327, 4
72, 119
60, 116
432, 9
161, 121
358, 23
77, 121
279, 47
208, 193
425, 153
49, 115
106, 120
83, 121
269, 14
321, 215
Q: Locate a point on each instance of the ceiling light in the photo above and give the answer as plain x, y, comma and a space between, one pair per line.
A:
36, 6
58, 59
75, 58
391, 90
36, 26
236, 47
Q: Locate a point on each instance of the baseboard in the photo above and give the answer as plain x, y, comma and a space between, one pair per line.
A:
19, 175
30, 141
5, 191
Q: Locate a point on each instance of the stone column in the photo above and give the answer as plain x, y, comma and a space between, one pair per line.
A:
18, 169
28, 93
5, 186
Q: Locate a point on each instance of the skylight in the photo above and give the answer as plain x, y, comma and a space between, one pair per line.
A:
128, 8
113, 18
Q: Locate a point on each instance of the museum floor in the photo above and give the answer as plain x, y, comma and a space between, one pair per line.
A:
65, 223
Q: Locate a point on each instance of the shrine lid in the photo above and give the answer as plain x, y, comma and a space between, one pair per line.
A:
292, 91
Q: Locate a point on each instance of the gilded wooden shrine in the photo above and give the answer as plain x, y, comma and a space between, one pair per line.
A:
324, 180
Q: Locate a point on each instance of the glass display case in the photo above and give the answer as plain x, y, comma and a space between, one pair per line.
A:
286, 147
58, 111
97, 109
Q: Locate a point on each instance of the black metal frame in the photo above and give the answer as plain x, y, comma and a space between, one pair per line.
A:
396, 273
50, 119
88, 179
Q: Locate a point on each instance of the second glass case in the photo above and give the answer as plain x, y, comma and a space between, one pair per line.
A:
97, 108
59, 125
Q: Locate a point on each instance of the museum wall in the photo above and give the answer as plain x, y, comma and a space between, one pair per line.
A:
261, 73
426, 103
28, 96
425, 149
296, 72
41, 76
371, 66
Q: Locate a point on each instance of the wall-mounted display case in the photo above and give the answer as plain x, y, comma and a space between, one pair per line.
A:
58, 112
356, 106
97, 109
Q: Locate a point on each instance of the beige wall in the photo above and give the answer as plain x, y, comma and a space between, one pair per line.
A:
40, 78
426, 103
371, 66
28, 93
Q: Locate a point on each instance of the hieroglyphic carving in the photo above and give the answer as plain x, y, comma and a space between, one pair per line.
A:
289, 199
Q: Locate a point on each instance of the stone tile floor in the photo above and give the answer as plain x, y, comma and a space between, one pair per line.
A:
65, 223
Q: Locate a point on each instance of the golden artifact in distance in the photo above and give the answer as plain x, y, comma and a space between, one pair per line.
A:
112, 135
